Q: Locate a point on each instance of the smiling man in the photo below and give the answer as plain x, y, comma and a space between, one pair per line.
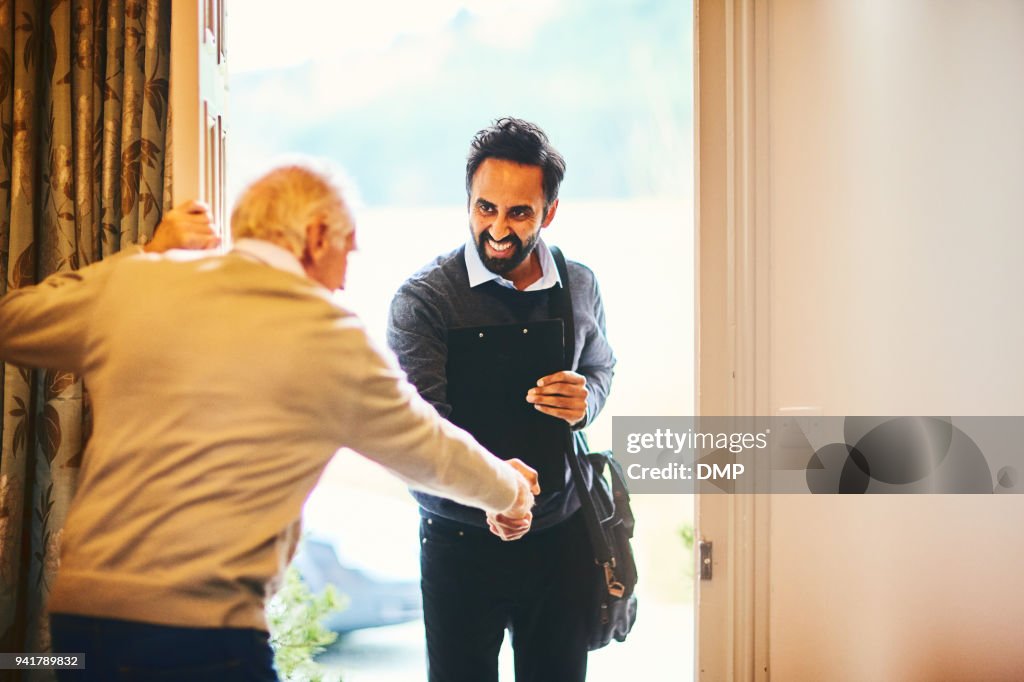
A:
475, 583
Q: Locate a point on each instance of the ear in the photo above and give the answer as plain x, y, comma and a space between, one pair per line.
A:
550, 215
316, 239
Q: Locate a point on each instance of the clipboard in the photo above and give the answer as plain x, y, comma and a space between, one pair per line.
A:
490, 369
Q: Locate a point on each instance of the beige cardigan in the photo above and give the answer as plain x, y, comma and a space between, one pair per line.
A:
221, 388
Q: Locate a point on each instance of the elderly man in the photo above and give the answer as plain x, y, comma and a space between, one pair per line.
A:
222, 386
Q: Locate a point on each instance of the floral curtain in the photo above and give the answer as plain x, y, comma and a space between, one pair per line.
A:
83, 123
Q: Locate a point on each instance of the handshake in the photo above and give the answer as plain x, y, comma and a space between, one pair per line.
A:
514, 522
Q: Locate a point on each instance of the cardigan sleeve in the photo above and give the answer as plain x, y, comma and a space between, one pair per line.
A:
387, 421
46, 325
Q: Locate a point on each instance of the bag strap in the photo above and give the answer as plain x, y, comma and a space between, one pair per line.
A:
620, 491
561, 307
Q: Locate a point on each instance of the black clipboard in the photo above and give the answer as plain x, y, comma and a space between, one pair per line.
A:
490, 369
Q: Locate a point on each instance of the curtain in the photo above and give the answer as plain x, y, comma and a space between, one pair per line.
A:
83, 122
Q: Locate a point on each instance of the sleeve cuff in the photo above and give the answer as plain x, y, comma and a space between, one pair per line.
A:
502, 502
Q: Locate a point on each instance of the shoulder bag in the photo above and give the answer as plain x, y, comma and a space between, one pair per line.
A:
605, 508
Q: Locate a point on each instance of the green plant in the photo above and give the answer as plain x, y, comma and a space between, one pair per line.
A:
297, 634
686, 532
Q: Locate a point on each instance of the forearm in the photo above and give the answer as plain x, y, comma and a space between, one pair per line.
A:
435, 456
395, 427
599, 381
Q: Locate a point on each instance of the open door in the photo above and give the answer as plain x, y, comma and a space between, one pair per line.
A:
198, 94
732, 326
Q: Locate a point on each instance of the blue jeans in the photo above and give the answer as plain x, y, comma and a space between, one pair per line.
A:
130, 651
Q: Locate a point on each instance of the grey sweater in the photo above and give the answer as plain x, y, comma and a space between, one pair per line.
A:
439, 298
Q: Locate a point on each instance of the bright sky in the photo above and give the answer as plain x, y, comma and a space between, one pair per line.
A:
270, 33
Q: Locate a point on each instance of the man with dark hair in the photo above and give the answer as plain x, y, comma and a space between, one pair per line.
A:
476, 583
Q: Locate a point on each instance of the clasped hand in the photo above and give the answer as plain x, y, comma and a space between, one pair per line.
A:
514, 522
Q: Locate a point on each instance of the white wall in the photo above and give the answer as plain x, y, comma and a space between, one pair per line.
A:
897, 236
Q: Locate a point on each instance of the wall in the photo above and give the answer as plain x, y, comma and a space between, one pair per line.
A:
896, 151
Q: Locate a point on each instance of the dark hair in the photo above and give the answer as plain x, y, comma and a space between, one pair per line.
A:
514, 139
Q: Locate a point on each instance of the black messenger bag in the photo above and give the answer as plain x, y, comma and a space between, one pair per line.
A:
605, 508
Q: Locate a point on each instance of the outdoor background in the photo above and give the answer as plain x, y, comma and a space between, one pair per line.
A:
393, 91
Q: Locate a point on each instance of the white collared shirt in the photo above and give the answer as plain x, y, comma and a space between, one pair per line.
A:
270, 254
479, 274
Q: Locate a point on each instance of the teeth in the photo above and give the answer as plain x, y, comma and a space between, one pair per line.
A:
499, 247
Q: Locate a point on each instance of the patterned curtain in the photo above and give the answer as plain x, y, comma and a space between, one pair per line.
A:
83, 115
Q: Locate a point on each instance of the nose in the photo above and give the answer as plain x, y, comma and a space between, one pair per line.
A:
499, 228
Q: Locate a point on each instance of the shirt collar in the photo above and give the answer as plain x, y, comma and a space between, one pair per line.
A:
269, 254
479, 274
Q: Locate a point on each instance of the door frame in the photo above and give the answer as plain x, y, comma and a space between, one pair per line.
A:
198, 106
733, 336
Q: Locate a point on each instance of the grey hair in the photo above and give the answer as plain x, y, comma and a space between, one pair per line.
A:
278, 205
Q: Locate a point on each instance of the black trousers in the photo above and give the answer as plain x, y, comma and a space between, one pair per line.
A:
475, 586
130, 651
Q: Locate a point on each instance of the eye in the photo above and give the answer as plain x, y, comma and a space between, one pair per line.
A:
521, 213
485, 208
